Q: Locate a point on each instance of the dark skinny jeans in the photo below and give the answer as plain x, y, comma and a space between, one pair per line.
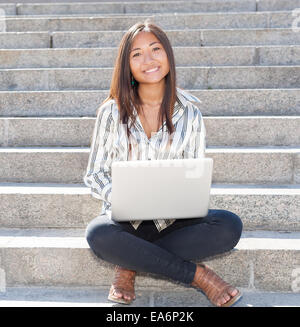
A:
167, 253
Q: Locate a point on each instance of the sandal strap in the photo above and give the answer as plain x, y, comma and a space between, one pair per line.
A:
124, 278
213, 285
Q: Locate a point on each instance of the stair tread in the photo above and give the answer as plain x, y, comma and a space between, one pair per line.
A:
242, 90
275, 148
145, 297
216, 188
180, 67
74, 238
173, 29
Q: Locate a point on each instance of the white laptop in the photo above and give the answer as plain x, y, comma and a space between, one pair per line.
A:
161, 189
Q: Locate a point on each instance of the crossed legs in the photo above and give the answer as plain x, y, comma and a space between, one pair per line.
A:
169, 252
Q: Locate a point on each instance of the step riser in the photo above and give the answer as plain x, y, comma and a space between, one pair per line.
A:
261, 5
24, 40
182, 38
259, 269
273, 167
278, 212
214, 103
187, 77
7, 9
61, 58
139, 8
157, 6
192, 21
220, 132
193, 38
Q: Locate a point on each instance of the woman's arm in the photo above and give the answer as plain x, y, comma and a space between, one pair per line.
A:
98, 173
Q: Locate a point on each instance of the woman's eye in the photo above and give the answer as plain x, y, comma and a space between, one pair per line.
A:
136, 54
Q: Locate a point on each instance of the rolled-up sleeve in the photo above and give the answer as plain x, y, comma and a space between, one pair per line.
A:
98, 173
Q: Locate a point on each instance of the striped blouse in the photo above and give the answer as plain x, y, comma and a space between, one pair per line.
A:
110, 142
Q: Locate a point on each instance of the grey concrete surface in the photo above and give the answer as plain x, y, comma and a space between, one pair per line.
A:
97, 297
221, 131
227, 77
215, 103
264, 165
166, 21
38, 205
184, 57
262, 260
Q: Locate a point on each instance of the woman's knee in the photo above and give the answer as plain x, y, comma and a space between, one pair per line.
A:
232, 227
100, 234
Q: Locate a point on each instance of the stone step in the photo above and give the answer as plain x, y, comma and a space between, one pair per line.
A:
37, 205
133, 7
7, 9
24, 40
15, 7
180, 38
145, 297
150, 7
184, 37
221, 102
220, 131
267, 19
256, 5
266, 261
95, 1
184, 56
249, 165
225, 77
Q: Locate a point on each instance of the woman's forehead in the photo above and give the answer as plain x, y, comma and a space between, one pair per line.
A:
144, 38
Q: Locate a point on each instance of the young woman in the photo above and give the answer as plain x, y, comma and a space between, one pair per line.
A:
146, 116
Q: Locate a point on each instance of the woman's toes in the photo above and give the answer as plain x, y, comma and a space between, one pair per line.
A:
128, 296
226, 297
117, 294
232, 291
221, 301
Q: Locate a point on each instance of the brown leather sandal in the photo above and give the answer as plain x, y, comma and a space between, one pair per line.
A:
213, 286
123, 283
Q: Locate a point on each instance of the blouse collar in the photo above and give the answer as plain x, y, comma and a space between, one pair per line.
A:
183, 97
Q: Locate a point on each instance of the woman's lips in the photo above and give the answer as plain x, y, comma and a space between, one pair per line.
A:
154, 71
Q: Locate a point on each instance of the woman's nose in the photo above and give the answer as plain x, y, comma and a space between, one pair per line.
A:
148, 57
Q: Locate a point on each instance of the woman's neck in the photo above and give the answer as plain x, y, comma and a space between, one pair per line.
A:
151, 94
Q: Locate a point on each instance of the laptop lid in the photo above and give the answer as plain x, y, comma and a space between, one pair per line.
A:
161, 189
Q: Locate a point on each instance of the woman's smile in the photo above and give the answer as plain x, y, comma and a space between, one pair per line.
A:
153, 70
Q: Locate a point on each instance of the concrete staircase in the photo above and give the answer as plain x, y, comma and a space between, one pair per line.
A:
240, 57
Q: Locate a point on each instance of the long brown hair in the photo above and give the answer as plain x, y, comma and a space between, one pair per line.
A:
125, 94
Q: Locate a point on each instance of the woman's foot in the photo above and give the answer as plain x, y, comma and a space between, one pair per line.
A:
122, 288
216, 289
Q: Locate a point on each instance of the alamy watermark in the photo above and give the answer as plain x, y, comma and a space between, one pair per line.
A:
2, 281
296, 21
295, 286
2, 20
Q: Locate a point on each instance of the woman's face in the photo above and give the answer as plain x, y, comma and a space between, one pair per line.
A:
147, 53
